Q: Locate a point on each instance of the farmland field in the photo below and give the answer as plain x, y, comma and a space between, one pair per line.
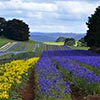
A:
54, 43
36, 71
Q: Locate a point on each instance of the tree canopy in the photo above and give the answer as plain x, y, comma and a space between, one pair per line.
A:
2, 23
15, 29
93, 33
69, 41
82, 42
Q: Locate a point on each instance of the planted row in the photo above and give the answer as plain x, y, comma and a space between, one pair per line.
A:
50, 80
55, 47
81, 76
11, 75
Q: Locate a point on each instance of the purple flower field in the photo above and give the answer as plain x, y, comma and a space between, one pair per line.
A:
58, 72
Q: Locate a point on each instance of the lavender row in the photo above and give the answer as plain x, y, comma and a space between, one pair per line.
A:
72, 53
50, 79
55, 47
83, 56
93, 61
73, 68
76, 69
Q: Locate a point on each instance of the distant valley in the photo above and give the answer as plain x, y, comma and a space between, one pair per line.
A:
51, 37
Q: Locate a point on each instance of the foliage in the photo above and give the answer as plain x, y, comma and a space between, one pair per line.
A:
17, 30
69, 41
93, 33
14, 29
82, 43
2, 23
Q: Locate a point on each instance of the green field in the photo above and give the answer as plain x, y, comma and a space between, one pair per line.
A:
4, 41
23, 50
54, 43
32, 49
29, 45
62, 43
79, 48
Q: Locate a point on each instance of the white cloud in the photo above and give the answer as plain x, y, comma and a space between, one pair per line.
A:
36, 15
77, 27
50, 15
76, 8
32, 6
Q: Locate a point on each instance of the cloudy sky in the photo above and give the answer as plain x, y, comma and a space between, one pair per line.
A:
50, 15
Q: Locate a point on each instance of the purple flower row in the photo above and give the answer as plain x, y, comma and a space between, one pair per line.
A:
50, 78
91, 60
63, 59
76, 69
72, 53
83, 56
55, 47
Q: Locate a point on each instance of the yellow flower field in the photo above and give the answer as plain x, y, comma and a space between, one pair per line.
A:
11, 74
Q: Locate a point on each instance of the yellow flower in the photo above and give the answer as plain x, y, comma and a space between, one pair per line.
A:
12, 73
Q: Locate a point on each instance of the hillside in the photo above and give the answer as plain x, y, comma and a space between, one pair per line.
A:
71, 72
42, 38
66, 69
11, 47
51, 37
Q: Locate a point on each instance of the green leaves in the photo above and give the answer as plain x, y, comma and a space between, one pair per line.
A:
93, 33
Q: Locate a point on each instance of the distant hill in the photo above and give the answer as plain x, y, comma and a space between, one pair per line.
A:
51, 37
61, 39
42, 38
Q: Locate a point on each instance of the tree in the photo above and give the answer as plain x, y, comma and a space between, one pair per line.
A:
2, 24
69, 41
82, 42
93, 33
17, 30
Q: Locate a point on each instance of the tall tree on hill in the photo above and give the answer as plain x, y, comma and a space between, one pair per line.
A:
17, 30
93, 33
2, 25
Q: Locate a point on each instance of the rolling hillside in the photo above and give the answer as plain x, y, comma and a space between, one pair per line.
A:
42, 38
9, 48
51, 37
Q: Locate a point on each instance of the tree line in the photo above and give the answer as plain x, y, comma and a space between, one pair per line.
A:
92, 37
14, 29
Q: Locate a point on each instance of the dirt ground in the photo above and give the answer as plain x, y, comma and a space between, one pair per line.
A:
28, 92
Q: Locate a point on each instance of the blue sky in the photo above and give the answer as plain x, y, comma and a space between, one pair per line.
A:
50, 15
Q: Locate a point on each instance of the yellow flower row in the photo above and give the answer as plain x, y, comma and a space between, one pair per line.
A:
11, 73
